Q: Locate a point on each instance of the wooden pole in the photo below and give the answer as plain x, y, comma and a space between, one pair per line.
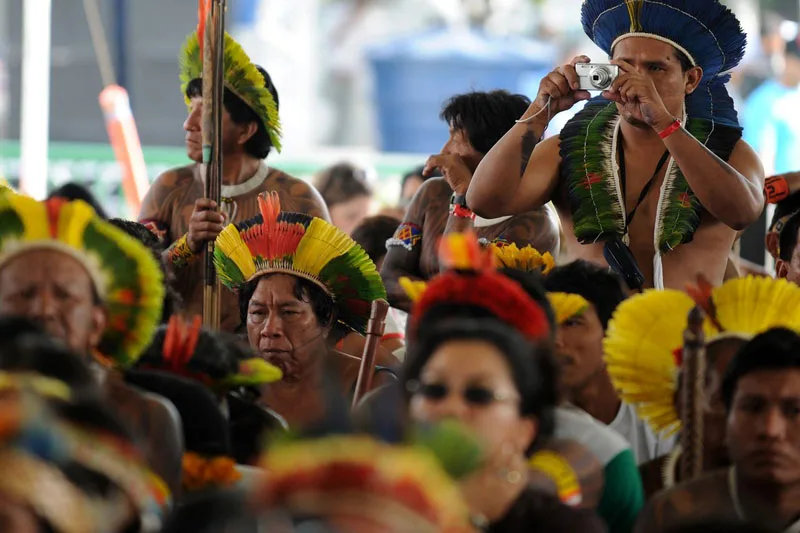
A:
692, 386
375, 327
213, 87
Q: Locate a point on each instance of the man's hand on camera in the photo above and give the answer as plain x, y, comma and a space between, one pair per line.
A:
562, 88
638, 96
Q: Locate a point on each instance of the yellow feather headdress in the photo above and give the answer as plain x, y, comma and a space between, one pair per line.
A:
646, 333
302, 246
242, 78
126, 276
566, 306
527, 259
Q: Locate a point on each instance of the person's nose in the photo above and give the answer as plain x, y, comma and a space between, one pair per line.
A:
272, 327
192, 122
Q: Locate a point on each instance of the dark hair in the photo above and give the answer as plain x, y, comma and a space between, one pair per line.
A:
216, 355
601, 288
683, 59
787, 238
76, 191
204, 428
341, 183
786, 207
537, 399
776, 349
373, 233
24, 347
484, 116
172, 299
417, 172
259, 145
304, 290
533, 284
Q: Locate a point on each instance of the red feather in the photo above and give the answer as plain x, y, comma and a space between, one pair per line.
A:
203, 9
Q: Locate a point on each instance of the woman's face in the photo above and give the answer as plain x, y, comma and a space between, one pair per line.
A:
348, 215
471, 382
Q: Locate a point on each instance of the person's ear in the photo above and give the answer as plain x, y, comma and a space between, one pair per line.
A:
693, 77
247, 131
525, 434
772, 241
98, 326
781, 269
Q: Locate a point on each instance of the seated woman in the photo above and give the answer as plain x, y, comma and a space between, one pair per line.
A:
302, 285
482, 373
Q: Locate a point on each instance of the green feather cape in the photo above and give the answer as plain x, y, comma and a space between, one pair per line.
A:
587, 169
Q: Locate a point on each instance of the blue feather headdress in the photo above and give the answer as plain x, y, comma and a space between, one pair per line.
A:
706, 31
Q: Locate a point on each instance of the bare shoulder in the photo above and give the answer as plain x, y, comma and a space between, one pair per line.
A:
745, 159
537, 228
701, 498
297, 195
167, 186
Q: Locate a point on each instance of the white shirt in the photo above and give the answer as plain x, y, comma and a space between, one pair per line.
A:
645, 443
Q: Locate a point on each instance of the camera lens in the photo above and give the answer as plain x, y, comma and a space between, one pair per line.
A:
601, 78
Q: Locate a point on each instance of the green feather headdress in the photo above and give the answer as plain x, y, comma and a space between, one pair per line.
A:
302, 246
242, 78
126, 276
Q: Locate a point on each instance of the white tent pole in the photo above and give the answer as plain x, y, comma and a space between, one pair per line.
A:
35, 114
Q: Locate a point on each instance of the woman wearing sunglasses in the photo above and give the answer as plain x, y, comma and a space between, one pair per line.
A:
482, 373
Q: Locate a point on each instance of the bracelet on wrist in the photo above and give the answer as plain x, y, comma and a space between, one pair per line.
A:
180, 254
462, 212
669, 130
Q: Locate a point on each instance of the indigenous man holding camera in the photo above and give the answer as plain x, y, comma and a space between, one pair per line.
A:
652, 176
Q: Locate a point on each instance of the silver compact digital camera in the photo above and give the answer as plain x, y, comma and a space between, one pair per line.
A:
596, 76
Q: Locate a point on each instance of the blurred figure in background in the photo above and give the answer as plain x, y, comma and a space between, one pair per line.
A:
769, 121
372, 235
347, 193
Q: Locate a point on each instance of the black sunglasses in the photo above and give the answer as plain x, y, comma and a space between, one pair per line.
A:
473, 394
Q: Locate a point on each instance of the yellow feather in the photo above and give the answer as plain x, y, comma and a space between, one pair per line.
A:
527, 259
72, 222
566, 306
33, 215
639, 353
321, 244
413, 289
752, 305
231, 244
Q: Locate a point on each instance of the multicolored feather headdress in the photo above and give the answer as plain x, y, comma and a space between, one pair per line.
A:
35, 444
176, 355
276, 242
242, 78
126, 276
645, 336
398, 487
472, 280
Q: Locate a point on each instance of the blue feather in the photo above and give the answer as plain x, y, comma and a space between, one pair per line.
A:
708, 30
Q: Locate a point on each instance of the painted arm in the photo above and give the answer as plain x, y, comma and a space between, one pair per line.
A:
733, 191
404, 250
519, 174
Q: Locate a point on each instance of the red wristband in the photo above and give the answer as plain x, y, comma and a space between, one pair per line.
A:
672, 128
463, 212
776, 189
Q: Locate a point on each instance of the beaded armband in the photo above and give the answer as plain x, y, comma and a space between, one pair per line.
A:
180, 254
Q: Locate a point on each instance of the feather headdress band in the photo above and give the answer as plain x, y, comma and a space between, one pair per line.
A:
242, 78
126, 276
176, 355
646, 334
276, 242
472, 280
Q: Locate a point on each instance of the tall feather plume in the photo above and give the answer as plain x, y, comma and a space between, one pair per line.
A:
753, 305
462, 251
